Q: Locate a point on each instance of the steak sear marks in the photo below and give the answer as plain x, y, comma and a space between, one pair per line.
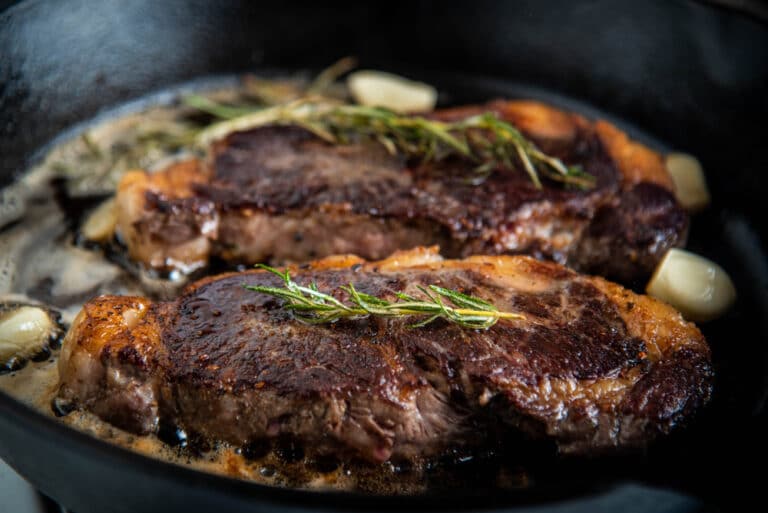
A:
281, 194
582, 369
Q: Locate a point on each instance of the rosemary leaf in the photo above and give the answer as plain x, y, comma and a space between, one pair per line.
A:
215, 109
309, 304
329, 75
491, 143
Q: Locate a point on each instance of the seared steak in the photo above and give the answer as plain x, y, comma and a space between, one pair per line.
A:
281, 194
592, 366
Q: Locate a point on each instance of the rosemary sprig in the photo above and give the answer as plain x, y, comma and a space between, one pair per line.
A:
259, 94
329, 75
310, 305
484, 139
216, 109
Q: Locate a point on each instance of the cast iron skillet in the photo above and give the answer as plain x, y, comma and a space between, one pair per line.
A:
691, 75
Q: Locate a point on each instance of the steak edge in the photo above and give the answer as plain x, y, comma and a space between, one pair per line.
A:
593, 367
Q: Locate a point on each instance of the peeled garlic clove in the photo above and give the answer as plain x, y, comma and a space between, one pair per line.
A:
699, 288
690, 184
379, 89
100, 224
24, 332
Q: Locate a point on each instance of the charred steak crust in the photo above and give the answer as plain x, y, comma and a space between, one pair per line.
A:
282, 194
593, 366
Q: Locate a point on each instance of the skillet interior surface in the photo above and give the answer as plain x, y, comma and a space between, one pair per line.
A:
692, 76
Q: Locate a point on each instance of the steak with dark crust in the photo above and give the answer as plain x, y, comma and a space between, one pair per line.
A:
593, 366
281, 194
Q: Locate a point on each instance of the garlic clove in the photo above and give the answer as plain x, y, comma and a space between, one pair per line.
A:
25, 331
689, 180
699, 288
101, 222
379, 89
